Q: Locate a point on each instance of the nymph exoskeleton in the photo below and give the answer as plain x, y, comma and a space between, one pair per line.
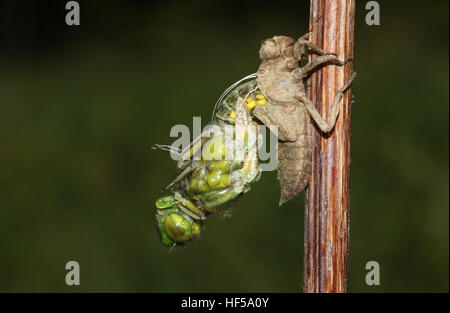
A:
281, 81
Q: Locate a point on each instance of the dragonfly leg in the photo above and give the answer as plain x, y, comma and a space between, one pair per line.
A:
189, 207
167, 148
183, 174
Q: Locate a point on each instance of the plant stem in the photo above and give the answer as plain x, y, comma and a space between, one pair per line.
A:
328, 194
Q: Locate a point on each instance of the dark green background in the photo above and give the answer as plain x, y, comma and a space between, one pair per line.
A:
79, 107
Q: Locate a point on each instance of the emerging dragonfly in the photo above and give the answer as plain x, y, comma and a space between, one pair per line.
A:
208, 186
275, 95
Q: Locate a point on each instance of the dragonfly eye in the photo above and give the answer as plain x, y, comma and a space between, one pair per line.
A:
177, 228
165, 240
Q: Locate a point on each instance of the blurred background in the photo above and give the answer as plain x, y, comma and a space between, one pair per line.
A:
80, 106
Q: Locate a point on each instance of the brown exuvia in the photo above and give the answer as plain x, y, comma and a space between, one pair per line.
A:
281, 81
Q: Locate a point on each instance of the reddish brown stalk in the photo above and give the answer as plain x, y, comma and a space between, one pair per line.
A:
328, 194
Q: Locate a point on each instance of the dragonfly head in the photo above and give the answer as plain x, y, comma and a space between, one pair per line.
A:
173, 225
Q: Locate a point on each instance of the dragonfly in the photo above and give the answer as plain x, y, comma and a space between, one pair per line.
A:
273, 96
210, 184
